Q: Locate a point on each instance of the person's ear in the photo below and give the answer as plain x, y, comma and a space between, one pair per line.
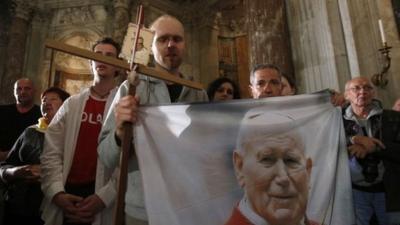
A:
91, 64
238, 165
251, 90
292, 91
346, 95
309, 166
373, 93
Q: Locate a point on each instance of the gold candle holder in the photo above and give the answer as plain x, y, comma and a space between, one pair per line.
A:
380, 79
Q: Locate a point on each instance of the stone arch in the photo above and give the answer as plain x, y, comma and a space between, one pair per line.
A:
78, 38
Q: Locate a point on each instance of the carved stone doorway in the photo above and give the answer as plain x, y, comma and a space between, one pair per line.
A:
233, 61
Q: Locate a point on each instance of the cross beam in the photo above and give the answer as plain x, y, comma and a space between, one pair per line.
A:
152, 72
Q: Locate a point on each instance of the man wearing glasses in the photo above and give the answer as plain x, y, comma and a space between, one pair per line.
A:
362, 121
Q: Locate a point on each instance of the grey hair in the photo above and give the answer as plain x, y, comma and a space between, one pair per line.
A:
261, 67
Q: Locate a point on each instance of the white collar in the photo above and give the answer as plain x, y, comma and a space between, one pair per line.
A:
248, 212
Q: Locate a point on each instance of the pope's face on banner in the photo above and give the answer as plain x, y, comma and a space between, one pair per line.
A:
274, 174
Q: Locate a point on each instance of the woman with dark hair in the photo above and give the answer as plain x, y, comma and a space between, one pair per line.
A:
20, 171
288, 85
222, 89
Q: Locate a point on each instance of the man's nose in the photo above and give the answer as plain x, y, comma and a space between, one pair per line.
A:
281, 173
171, 42
267, 87
363, 91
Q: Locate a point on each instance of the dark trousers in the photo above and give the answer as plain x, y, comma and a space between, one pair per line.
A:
14, 219
80, 190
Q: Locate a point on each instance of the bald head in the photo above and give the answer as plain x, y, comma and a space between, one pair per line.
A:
169, 43
357, 80
24, 92
165, 18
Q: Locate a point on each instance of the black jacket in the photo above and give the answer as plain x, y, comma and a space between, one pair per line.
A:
24, 198
386, 128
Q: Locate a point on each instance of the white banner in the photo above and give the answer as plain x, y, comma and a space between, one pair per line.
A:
282, 160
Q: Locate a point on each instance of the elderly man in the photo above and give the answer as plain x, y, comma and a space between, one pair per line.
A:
14, 118
363, 125
265, 81
168, 48
272, 169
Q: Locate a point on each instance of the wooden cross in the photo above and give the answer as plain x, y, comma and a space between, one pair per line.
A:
149, 71
127, 135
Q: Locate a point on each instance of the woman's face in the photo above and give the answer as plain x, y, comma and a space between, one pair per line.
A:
51, 102
286, 88
224, 92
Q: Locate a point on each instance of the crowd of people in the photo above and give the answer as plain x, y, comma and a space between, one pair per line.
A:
67, 162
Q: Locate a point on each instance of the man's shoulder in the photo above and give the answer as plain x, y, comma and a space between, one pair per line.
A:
79, 97
8, 107
391, 115
391, 125
7, 112
73, 104
36, 110
311, 222
193, 95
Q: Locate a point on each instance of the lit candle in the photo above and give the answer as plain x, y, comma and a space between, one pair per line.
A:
381, 31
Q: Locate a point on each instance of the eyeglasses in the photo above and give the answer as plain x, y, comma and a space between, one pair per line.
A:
357, 89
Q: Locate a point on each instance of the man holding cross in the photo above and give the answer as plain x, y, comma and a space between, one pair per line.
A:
168, 49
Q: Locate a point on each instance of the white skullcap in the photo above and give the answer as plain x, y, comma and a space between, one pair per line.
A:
258, 122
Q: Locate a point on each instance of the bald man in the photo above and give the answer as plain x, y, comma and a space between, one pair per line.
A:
14, 118
168, 48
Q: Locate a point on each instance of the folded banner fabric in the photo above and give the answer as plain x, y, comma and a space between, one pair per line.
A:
280, 160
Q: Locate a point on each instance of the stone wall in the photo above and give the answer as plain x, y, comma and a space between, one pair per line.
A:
333, 41
330, 41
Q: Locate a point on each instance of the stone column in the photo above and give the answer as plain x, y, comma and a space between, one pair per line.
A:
208, 43
268, 34
121, 19
3, 46
18, 33
204, 44
315, 31
35, 51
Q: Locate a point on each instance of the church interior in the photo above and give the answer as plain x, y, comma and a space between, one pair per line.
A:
321, 44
